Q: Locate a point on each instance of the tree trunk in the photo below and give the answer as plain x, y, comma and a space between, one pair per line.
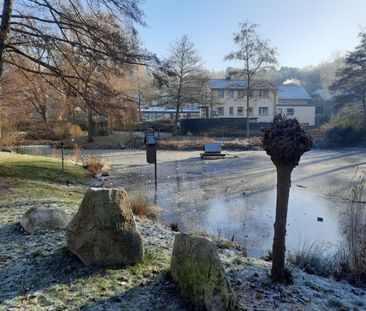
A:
247, 121
279, 248
90, 125
179, 98
139, 107
4, 34
4, 30
176, 119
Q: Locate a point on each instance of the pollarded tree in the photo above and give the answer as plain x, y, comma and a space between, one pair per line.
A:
255, 54
350, 80
285, 142
184, 72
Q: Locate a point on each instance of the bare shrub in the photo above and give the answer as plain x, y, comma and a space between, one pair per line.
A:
353, 254
10, 136
142, 206
255, 141
48, 131
59, 131
95, 165
131, 140
75, 154
312, 259
349, 261
75, 131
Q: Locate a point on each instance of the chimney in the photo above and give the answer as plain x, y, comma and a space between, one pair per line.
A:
228, 73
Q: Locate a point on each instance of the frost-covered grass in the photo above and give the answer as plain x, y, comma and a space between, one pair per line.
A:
37, 272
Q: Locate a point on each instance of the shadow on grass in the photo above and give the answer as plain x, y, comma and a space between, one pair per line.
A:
36, 263
29, 263
158, 294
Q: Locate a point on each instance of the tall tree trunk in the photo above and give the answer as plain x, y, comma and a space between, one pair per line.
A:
139, 107
4, 34
90, 125
4, 30
279, 248
247, 121
176, 119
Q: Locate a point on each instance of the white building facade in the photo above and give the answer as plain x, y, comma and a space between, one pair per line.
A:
295, 102
228, 100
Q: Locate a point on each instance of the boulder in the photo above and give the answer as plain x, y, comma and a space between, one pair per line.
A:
103, 231
38, 218
199, 272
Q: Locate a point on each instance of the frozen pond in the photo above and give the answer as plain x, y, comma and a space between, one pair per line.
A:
235, 197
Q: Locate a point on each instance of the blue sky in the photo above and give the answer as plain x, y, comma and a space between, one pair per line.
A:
305, 32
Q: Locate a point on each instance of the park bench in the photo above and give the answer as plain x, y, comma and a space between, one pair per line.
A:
213, 151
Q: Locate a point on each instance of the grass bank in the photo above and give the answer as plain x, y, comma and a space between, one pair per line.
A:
27, 179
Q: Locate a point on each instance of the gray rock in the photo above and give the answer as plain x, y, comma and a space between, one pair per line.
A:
37, 218
103, 231
198, 270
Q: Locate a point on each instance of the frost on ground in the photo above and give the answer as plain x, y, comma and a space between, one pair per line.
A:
250, 280
37, 272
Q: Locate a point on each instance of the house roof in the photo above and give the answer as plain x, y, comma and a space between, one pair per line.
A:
286, 92
238, 84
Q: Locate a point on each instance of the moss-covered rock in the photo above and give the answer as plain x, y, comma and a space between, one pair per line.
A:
198, 270
103, 231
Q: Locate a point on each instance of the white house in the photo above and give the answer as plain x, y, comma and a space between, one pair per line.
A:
295, 102
228, 99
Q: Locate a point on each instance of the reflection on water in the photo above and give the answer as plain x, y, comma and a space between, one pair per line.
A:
248, 218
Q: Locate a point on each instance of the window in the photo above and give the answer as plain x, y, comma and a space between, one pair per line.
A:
220, 93
263, 93
231, 111
290, 111
263, 111
231, 94
240, 111
220, 111
240, 94
279, 111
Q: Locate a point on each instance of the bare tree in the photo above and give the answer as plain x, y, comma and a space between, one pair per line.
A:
141, 88
184, 70
255, 54
36, 36
50, 25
